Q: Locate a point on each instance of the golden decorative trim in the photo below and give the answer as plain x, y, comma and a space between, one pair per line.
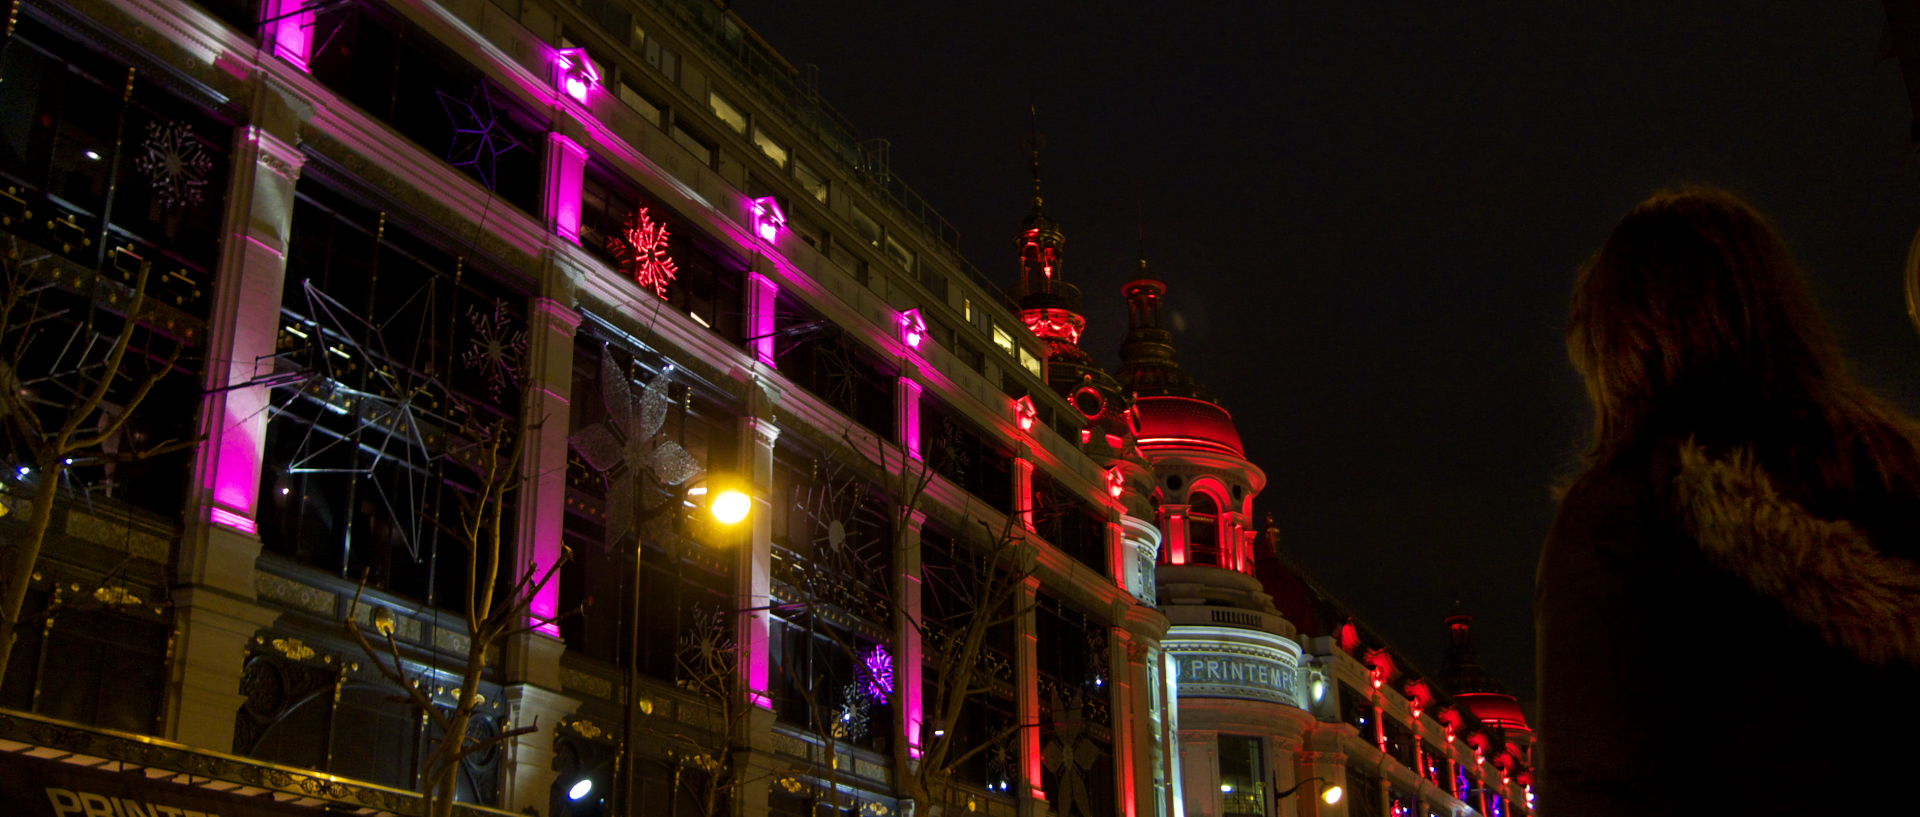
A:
293, 649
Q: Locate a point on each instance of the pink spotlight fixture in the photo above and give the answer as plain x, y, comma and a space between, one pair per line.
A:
1024, 413
228, 519
768, 218
913, 328
574, 73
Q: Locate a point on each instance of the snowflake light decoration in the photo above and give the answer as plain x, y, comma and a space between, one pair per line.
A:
850, 719
497, 348
641, 247
876, 674
479, 139
174, 162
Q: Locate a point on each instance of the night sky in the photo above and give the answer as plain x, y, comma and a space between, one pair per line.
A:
1369, 216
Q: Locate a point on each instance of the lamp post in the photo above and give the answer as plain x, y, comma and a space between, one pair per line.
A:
729, 506
1330, 792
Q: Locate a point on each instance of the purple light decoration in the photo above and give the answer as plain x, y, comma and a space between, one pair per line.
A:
767, 218
574, 73
879, 672
913, 328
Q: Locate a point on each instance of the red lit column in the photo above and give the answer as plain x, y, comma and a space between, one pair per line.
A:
213, 599
566, 174
1023, 490
1124, 659
1118, 553
1026, 679
1176, 528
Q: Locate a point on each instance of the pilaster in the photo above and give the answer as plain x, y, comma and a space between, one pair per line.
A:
1026, 698
908, 665
529, 764
215, 609
546, 408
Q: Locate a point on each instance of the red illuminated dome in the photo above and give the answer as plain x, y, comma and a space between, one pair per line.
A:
1186, 422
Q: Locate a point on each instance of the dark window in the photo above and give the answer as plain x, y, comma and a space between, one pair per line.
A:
1067, 522
1203, 531
1363, 793
388, 359
1434, 764
1075, 710
1400, 743
684, 579
1243, 776
954, 448
103, 667
706, 281
409, 80
959, 592
1357, 711
834, 367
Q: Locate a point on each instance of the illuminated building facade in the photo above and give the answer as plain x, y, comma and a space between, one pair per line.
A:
375, 234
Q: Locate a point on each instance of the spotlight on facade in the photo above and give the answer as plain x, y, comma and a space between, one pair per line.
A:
767, 218
580, 789
913, 328
574, 73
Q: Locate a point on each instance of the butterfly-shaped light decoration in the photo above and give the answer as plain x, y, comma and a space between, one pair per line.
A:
628, 448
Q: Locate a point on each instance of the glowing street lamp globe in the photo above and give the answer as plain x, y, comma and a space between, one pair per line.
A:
730, 505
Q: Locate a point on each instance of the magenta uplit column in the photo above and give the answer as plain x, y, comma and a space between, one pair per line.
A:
288, 25
754, 576
566, 170
908, 671
761, 294
243, 327
907, 415
547, 407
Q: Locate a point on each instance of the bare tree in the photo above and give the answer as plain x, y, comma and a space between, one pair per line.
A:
494, 611
67, 392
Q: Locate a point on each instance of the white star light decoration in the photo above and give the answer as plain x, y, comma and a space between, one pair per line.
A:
478, 138
498, 348
175, 163
641, 247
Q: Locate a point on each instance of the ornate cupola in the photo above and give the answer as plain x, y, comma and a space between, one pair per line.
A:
1050, 306
1147, 367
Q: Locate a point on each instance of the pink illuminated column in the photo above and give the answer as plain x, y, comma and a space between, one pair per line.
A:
1023, 490
288, 25
1026, 688
546, 409
910, 658
907, 414
566, 172
1176, 531
1125, 708
242, 329
761, 294
753, 583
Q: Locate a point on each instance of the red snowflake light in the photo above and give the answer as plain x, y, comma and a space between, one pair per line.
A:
641, 248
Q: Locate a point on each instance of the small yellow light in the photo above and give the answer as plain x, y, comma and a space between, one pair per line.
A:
730, 506
1332, 794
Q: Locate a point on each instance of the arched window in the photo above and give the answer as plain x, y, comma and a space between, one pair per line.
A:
1203, 531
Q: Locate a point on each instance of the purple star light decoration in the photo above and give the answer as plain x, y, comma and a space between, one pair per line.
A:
479, 140
877, 674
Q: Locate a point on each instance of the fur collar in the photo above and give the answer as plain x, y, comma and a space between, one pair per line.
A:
1823, 572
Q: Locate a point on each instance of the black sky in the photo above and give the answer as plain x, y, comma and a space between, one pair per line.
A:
1369, 214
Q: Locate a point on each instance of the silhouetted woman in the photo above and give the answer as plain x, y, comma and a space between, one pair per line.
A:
1727, 611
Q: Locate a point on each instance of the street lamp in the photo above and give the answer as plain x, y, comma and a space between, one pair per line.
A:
729, 502
1330, 792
